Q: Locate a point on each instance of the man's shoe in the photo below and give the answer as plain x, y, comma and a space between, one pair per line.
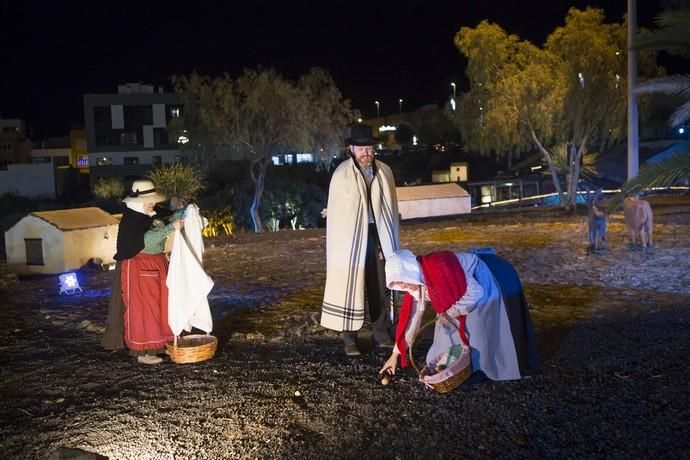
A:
352, 350
149, 359
385, 343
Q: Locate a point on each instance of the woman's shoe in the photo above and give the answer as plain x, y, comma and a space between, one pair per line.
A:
149, 359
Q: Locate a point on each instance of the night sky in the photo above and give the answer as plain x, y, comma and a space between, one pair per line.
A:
54, 51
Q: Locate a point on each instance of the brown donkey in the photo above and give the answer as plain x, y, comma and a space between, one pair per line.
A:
639, 220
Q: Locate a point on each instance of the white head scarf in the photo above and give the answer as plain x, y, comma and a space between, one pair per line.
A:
402, 266
138, 207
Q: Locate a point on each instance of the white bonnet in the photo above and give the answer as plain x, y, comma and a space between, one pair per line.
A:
402, 266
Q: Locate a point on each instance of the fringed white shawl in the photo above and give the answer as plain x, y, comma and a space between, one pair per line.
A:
347, 224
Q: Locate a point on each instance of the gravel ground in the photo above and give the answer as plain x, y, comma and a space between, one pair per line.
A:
613, 330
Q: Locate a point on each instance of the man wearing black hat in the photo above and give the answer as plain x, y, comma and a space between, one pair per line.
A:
362, 230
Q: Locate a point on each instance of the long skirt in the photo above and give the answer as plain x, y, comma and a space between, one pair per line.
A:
113, 338
145, 296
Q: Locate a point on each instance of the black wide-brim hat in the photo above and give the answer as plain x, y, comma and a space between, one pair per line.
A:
361, 135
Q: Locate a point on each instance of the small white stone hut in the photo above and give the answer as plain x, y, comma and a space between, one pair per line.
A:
433, 200
50, 242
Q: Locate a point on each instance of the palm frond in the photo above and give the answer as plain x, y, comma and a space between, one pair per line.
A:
672, 35
681, 114
670, 171
677, 85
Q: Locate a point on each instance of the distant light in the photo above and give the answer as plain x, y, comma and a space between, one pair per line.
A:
581, 78
414, 140
182, 140
380, 146
452, 103
69, 284
536, 168
384, 128
681, 130
359, 120
508, 184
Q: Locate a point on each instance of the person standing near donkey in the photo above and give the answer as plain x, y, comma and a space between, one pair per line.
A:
362, 231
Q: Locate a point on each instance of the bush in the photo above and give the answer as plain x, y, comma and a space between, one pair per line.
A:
109, 188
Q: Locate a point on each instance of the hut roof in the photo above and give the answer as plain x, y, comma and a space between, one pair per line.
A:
429, 192
77, 219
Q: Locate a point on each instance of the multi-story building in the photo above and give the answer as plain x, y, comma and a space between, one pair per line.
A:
126, 132
15, 148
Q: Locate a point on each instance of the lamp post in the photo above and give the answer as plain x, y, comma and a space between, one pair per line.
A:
378, 109
453, 85
400, 104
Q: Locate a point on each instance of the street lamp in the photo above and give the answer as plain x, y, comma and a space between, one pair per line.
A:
400, 104
378, 109
453, 85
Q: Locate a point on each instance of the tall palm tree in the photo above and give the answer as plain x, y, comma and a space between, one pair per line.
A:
672, 36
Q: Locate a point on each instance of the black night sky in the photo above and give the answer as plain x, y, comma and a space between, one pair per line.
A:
54, 51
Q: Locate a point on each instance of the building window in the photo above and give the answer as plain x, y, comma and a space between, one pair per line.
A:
157, 161
160, 136
305, 158
276, 160
104, 161
82, 160
34, 251
288, 158
175, 112
130, 160
128, 138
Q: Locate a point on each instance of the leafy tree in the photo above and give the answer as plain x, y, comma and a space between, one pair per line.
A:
570, 91
260, 114
109, 188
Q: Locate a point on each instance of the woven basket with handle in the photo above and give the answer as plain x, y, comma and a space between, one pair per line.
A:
192, 348
458, 371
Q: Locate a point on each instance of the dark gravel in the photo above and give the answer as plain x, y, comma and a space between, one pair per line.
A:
613, 330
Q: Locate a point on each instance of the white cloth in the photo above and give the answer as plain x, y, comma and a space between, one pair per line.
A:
491, 341
188, 283
346, 239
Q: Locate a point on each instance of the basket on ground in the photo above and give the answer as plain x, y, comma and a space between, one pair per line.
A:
192, 348
450, 377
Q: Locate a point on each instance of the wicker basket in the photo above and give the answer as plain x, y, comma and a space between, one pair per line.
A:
192, 348
452, 381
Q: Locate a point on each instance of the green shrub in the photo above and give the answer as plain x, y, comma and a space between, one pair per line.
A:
109, 188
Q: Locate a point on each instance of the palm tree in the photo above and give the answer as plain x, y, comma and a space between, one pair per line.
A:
672, 36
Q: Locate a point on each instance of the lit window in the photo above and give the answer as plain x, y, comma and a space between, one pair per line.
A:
175, 112
305, 158
276, 160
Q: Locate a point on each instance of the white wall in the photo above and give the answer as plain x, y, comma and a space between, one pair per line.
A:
432, 207
82, 245
145, 156
29, 180
53, 243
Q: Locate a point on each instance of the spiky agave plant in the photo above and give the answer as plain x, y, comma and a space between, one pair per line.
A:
178, 180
